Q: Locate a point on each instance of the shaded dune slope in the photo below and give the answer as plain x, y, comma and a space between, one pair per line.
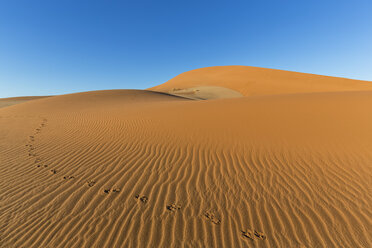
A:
130, 168
255, 81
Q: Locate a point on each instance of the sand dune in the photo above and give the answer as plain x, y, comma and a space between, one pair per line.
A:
5, 102
138, 168
255, 81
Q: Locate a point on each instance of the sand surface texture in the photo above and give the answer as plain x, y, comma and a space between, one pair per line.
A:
282, 167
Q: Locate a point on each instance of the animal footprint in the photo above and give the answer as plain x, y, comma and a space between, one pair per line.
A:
53, 171
173, 207
143, 199
248, 234
210, 216
115, 190
259, 235
68, 177
253, 235
91, 183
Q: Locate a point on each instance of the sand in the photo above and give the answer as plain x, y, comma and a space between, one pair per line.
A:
255, 81
204, 92
5, 102
138, 168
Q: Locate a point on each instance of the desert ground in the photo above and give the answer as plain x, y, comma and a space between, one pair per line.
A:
227, 156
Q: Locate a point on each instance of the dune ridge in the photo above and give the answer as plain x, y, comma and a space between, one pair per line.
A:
138, 168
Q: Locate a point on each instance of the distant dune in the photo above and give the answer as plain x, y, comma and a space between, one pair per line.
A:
5, 102
273, 159
255, 81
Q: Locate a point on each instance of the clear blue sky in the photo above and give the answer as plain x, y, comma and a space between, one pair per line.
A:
55, 47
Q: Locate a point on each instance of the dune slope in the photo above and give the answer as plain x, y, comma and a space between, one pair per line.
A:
255, 81
5, 102
130, 168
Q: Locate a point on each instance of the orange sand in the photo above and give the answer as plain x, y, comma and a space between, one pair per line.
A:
287, 164
5, 102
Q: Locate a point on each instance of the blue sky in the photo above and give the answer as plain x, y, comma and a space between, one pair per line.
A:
55, 47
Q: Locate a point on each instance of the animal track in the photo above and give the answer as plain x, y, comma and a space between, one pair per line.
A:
115, 190
253, 235
91, 183
248, 234
68, 177
53, 171
211, 217
31, 148
143, 199
259, 235
173, 207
